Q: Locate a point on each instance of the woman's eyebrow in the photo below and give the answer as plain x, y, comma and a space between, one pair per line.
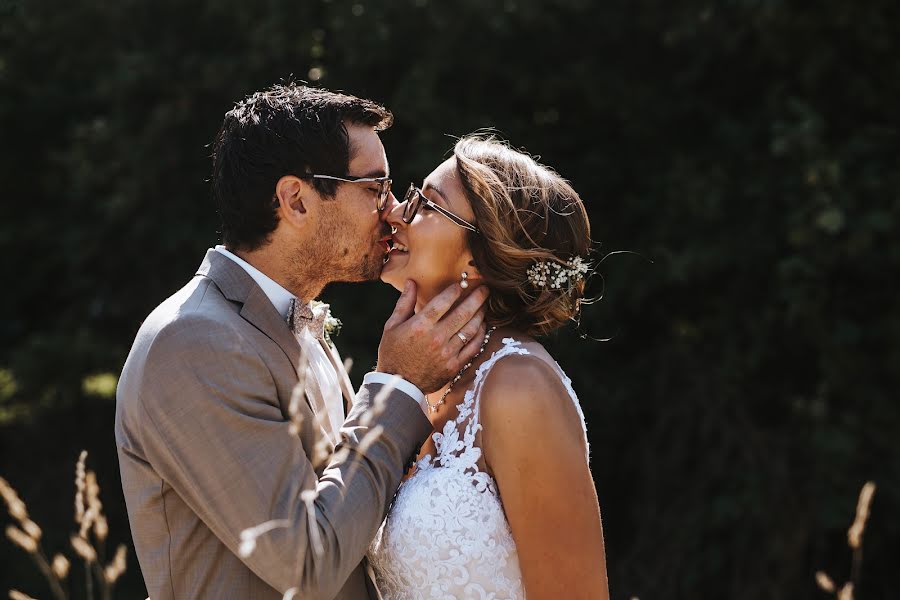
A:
431, 186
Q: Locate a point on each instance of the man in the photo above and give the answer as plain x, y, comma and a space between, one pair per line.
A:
209, 441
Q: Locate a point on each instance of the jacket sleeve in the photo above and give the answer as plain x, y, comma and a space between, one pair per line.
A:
214, 431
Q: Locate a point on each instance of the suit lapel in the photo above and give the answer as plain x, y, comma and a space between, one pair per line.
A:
259, 311
237, 285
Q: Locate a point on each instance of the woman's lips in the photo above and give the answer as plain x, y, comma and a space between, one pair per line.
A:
395, 251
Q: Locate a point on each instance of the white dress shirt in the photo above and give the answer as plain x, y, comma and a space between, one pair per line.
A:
320, 366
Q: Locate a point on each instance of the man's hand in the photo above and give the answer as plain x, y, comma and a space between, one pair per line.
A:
424, 348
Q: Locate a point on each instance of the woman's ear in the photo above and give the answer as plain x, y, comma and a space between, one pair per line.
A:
471, 271
290, 192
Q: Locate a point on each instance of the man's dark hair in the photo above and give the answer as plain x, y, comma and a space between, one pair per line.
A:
288, 129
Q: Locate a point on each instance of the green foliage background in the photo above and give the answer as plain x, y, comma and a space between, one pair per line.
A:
748, 148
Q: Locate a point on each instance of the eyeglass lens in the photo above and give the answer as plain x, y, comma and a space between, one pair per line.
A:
383, 192
412, 200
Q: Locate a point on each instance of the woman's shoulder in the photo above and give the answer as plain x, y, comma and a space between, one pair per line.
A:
523, 400
523, 384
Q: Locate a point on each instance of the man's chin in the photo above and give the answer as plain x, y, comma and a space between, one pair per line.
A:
372, 268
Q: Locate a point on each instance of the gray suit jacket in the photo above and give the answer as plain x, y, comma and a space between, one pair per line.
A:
205, 452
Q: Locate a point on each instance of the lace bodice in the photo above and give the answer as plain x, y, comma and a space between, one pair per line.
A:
446, 535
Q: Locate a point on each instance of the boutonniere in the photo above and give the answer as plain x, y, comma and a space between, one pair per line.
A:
332, 324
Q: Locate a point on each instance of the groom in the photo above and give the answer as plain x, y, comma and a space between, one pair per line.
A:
210, 442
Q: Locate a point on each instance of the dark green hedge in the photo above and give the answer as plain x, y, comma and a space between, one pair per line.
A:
746, 150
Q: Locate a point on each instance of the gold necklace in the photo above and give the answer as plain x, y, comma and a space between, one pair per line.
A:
434, 407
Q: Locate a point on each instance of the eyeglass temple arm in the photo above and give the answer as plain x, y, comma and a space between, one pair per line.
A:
459, 221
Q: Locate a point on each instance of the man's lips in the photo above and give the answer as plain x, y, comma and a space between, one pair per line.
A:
385, 242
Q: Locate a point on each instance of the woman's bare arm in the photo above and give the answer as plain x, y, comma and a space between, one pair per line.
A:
534, 446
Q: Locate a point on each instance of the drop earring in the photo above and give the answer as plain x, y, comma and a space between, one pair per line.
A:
464, 281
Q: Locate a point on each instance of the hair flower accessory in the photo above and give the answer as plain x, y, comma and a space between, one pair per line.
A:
557, 276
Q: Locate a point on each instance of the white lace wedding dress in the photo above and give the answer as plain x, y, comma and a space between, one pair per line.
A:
446, 535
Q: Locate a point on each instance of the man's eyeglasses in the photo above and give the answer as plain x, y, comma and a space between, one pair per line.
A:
414, 198
383, 184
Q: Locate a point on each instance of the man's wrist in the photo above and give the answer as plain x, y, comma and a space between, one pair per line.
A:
400, 384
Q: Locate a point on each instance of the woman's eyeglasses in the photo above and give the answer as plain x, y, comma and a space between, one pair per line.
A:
414, 198
384, 186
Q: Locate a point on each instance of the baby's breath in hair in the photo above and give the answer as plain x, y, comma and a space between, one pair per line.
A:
558, 276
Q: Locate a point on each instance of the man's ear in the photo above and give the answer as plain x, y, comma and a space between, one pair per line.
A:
292, 194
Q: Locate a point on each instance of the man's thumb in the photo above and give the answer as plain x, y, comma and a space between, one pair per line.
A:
405, 307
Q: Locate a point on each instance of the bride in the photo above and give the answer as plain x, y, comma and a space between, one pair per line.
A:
500, 503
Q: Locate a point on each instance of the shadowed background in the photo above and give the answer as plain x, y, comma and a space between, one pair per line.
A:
747, 148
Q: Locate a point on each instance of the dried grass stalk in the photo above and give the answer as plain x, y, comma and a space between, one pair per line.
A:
14, 504
249, 536
824, 582
32, 529
60, 566
83, 548
846, 592
21, 539
309, 498
114, 570
855, 533
80, 486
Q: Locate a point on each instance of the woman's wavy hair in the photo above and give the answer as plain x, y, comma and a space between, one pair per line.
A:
526, 213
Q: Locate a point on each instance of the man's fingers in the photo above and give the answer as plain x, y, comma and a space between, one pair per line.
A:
463, 313
472, 346
440, 304
469, 331
406, 305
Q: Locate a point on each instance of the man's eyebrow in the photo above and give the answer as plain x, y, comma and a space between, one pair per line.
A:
376, 173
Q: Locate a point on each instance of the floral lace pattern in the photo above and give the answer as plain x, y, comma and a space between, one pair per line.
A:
446, 535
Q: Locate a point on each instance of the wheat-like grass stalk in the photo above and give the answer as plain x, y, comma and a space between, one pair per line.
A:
27, 536
80, 486
249, 535
824, 582
309, 498
60, 566
90, 520
320, 453
854, 541
297, 395
114, 569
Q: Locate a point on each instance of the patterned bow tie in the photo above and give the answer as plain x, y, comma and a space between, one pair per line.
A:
302, 316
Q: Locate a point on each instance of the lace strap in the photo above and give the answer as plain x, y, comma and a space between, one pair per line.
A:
511, 347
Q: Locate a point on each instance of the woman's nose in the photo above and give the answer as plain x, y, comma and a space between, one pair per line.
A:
390, 204
393, 212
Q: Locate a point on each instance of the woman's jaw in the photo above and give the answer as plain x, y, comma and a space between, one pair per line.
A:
396, 275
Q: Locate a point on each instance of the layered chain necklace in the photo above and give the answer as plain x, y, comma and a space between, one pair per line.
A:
434, 407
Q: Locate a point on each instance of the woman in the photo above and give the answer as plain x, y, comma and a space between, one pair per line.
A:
501, 503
